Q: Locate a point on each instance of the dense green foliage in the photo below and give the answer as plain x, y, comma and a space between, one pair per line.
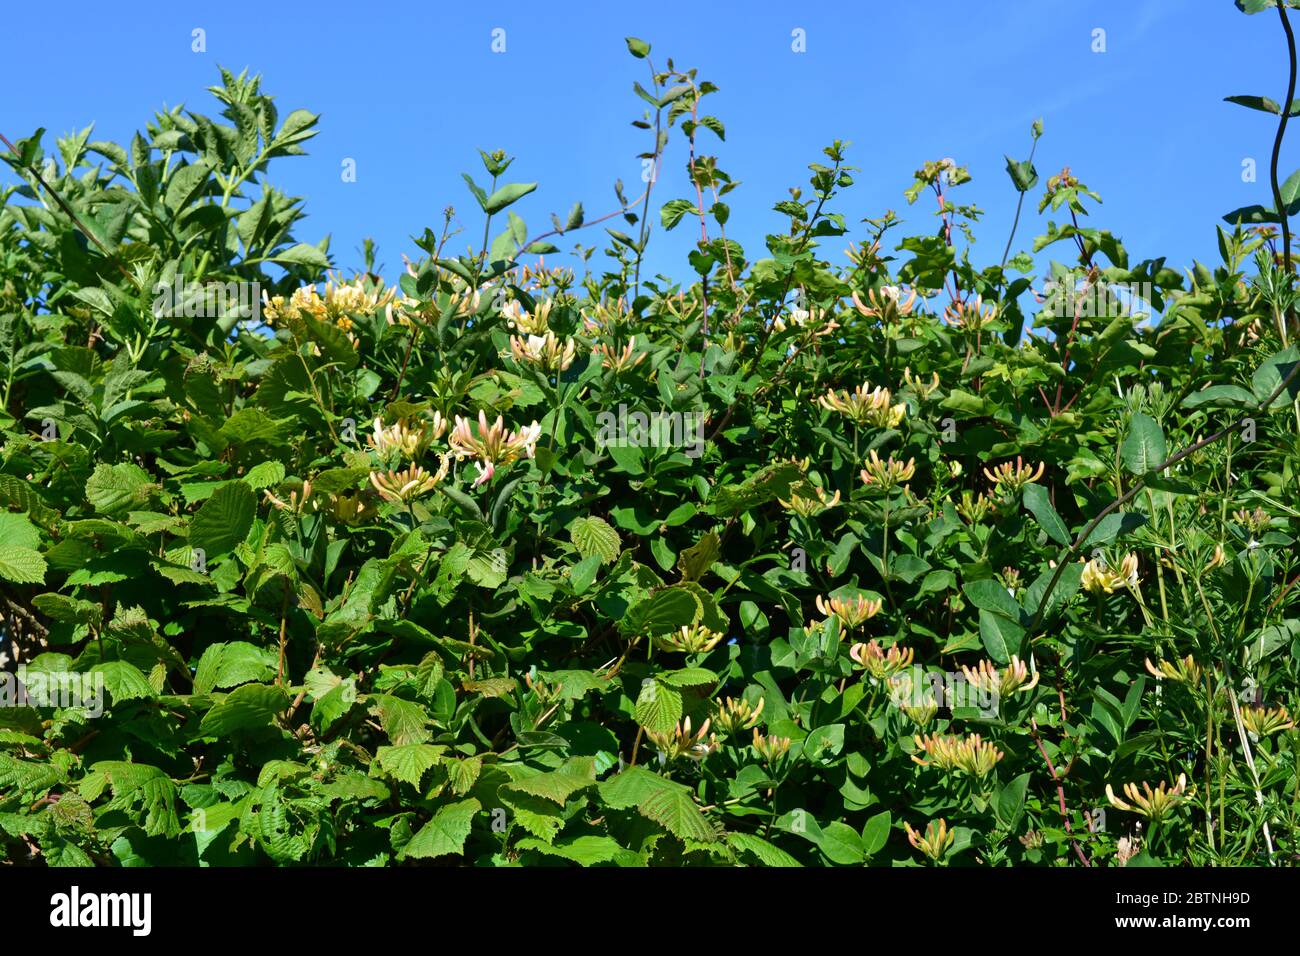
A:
1046, 548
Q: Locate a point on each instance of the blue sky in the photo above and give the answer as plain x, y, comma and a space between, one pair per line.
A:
411, 90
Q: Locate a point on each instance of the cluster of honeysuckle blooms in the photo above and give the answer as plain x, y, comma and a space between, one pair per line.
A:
974, 508
884, 476
850, 612
1007, 479
689, 639
494, 446
1100, 578
1253, 521
889, 306
408, 484
970, 316
295, 504
734, 715
1155, 804
1015, 678
923, 387
770, 748
866, 405
619, 360
547, 352
879, 663
970, 754
807, 499
917, 703
1263, 721
1184, 670
681, 741
339, 303
405, 438
936, 842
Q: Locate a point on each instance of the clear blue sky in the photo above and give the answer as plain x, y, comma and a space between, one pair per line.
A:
410, 90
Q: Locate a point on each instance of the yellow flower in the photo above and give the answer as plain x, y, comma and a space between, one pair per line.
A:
682, 742
401, 437
919, 385
1155, 804
619, 360
866, 406
1185, 671
1216, 559
547, 352
1098, 578
1008, 478
733, 715
851, 613
1262, 721
879, 663
889, 306
940, 751
977, 757
409, 484
886, 475
690, 639
1253, 521
807, 499
771, 748
936, 842
1012, 680
493, 444
970, 316
973, 509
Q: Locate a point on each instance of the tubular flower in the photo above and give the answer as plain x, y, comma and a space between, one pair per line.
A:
1098, 578
881, 664
940, 751
889, 306
852, 613
619, 360
540, 276
493, 445
547, 352
294, 504
340, 301
607, 317
968, 316
1125, 849
1253, 521
409, 484
771, 748
919, 385
976, 756
938, 838
682, 742
352, 509
866, 406
886, 475
974, 508
1013, 679
806, 500
733, 715
1262, 721
1008, 478
1216, 559
1185, 671
690, 639
528, 323
1155, 804
399, 437
917, 702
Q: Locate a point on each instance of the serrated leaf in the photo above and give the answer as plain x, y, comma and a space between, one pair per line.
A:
446, 833
224, 519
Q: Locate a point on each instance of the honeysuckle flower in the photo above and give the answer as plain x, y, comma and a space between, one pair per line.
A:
528, 323
607, 317
1032, 840
771, 748
850, 612
546, 351
492, 444
540, 276
1125, 849
886, 475
866, 406
1015, 678
974, 508
1008, 478
733, 715
1216, 559
1098, 578
619, 360
938, 838
340, 301
1185, 671
352, 508
690, 639
879, 663
1262, 721
807, 499
917, 703
940, 751
970, 316
295, 503
401, 437
924, 389
408, 484
889, 306
681, 741
1253, 521
1155, 804
977, 757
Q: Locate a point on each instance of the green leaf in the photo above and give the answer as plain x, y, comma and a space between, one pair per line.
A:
767, 853
638, 48
674, 210
1270, 375
21, 565
1144, 447
594, 537
875, 833
1002, 637
664, 611
224, 519
115, 488
1261, 103
1040, 506
252, 705
446, 833
658, 707
506, 195
409, 762
17, 531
